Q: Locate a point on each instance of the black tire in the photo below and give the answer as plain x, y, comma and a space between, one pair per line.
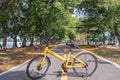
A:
33, 72
91, 66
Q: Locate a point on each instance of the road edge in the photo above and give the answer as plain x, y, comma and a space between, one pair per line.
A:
2, 73
113, 63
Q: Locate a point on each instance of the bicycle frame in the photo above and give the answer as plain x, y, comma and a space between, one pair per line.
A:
68, 63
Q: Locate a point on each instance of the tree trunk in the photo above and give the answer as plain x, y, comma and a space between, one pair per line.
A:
96, 44
113, 39
88, 38
104, 45
0, 47
4, 42
15, 37
24, 42
15, 41
5, 32
117, 33
31, 41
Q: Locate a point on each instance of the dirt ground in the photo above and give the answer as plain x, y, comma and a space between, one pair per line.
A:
13, 57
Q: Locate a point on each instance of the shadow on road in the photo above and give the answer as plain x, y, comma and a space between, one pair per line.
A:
16, 75
56, 73
72, 74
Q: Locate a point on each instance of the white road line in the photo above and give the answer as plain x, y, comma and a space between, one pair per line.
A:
13, 68
113, 63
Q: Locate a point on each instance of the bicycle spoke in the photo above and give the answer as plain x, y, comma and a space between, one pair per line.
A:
91, 64
32, 70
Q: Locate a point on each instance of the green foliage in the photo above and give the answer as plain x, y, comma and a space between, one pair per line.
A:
29, 18
56, 18
100, 16
1, 58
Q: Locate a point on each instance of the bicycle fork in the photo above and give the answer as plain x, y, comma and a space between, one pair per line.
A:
41, 62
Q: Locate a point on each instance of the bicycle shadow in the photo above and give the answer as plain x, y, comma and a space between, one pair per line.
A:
21, 75
69, 74
56, 73
72, 74
16, 75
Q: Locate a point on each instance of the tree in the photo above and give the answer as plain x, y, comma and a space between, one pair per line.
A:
101, 15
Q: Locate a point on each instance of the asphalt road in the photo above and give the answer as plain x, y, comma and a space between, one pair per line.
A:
105, 70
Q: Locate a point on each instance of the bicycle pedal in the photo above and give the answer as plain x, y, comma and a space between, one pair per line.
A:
65, 70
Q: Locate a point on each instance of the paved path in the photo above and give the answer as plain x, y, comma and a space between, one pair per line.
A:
105, 71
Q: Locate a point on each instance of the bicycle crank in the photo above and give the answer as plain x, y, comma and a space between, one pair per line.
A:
64, 67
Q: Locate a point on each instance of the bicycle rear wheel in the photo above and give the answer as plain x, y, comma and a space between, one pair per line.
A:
33, 72
91, 65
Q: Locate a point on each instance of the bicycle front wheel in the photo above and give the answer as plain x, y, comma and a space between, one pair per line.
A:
33, 72
91, 65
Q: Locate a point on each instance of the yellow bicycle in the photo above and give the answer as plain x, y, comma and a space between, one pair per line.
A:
84, 64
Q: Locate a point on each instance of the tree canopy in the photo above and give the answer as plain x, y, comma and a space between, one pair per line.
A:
63, 18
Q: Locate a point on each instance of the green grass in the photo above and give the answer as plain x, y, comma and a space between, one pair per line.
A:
12, 56
22, 53
110, 54
15, 56
1, 58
